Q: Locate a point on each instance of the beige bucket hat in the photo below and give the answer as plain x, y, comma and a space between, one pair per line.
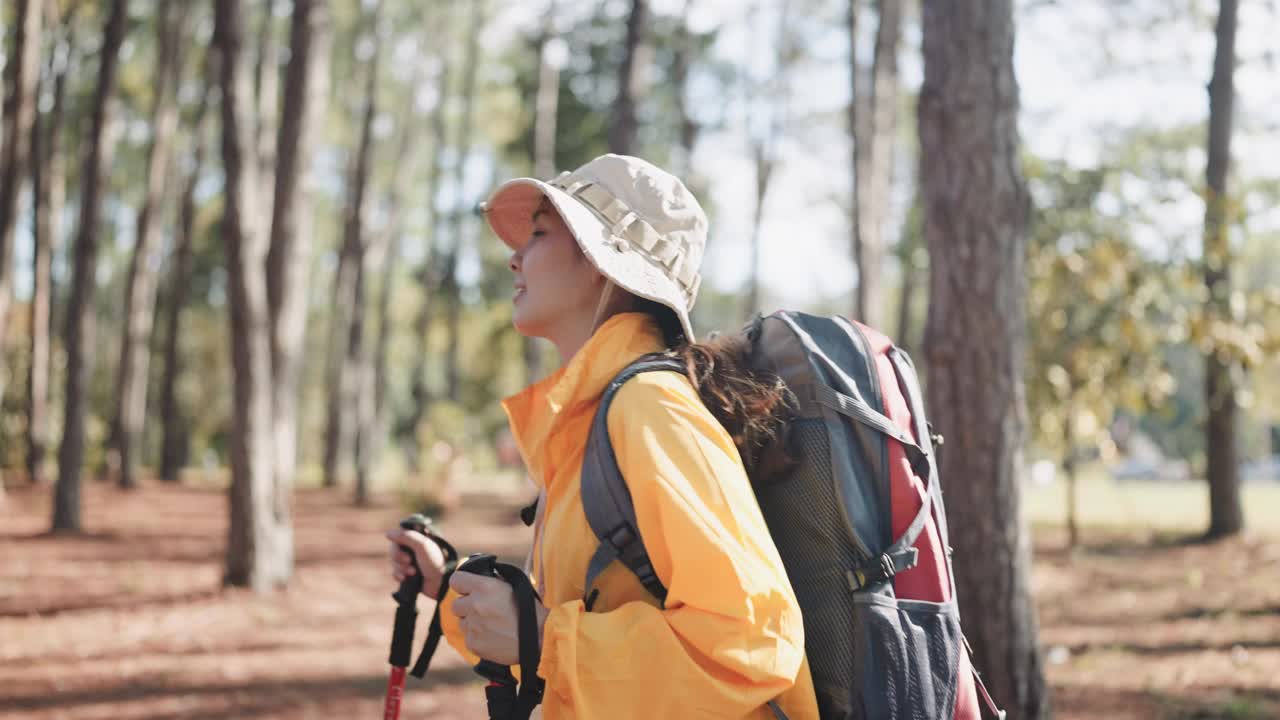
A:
639, 225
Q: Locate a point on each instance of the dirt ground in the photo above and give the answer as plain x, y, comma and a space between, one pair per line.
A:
129, 620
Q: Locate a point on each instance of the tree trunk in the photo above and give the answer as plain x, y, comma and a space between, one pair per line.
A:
174, 443
546, 107
79, 319
347, 333
622, 126
908, 244
764, 168
390, 240
1225, 514
23, 70
453, 295
336, 439
856, 161
266, 91
906, 305
139, 301
687, 127
547, 102
49, 180
975, 333
762, 148
306, 93
356, 369
876, 174
258, 552
428, 274
1069, 474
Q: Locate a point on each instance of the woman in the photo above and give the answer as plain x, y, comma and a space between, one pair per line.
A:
605, 263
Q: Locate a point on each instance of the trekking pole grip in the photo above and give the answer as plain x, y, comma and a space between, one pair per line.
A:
412, 585
482, 564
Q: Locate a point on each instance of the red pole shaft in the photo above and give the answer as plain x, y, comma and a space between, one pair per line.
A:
395, 693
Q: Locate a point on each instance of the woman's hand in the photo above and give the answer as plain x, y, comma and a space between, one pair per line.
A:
429, 555
487, 611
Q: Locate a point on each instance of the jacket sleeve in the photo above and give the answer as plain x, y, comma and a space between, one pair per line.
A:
452, 628
730, 638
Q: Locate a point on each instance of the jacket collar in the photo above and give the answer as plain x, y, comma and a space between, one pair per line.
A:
538, 412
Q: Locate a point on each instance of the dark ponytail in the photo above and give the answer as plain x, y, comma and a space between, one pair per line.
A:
752, 405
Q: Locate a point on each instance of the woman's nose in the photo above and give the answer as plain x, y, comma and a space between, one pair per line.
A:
513, 263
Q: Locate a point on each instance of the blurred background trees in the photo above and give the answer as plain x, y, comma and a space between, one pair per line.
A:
239, 239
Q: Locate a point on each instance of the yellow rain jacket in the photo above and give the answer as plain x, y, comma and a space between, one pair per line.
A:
730, 638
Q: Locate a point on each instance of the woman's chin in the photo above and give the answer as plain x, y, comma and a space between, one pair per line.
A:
525, 325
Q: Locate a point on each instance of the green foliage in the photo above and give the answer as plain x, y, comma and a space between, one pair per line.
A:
1115, 274
1119, 316
588, 85
1098, 314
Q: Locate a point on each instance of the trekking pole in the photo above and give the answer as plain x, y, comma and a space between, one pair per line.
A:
501, 692
406, 598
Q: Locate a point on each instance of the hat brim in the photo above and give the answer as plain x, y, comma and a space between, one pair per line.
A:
509, 212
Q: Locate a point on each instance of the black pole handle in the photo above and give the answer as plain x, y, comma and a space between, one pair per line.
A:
410, 587
483, 564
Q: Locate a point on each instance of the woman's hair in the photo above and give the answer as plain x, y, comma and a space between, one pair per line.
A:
751, 404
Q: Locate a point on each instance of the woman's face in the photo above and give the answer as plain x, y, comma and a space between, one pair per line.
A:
556, 287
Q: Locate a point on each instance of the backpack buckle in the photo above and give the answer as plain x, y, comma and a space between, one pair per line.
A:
882, 569
887, 568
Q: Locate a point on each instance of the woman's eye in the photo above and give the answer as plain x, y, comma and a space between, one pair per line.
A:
539, 233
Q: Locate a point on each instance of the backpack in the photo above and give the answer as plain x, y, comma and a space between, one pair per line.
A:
849, 491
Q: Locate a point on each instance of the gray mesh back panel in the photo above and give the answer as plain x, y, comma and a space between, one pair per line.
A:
804, 519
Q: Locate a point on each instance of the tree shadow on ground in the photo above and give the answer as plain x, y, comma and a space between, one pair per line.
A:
250, 696
1175, 648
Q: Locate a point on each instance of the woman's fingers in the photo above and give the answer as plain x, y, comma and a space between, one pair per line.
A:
428, 555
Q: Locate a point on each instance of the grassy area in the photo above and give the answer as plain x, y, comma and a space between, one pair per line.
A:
1174, 506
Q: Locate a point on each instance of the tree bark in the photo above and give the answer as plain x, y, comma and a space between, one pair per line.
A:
49, 180
907, 246
764, 169
390, 253
687, 127
79, 319
547, 102
762, 148
452, 290
546, 107
355, 381
306, 93
266, 91
343, 428
856, 134
429, 274
173, 445
876, 173
1225, 513
140, 289
622, 128
976, 211
23, 70
258, 551
1069, 473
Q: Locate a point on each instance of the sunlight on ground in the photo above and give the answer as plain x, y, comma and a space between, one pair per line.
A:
1182, 506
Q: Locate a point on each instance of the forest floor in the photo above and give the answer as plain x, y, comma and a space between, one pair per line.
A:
129, 620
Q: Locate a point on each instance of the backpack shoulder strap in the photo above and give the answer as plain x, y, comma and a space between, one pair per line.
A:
606, 500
